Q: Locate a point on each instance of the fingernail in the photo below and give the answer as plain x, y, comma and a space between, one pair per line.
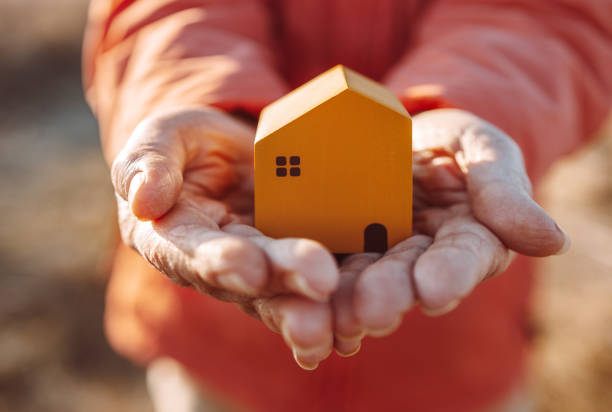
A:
135, 185
386, 331
302, 364
299, 353
441, 311
234, 282
298, 283
287, 335
356, 337
567, 241
348, 355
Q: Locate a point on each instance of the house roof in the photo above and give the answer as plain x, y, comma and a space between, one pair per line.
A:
318, 90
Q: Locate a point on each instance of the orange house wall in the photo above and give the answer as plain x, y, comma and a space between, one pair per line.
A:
356, 169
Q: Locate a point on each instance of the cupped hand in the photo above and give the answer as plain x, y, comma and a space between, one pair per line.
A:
472, 209
184, 187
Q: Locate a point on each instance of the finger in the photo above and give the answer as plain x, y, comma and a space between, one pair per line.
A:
348, 331
496, 178
148, 172
384, 290
187, 245
306, 326
437, 171
501, 196
438, 180
302, 266
463, 253
429, 220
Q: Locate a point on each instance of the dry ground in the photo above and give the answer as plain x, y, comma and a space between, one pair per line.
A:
55, 242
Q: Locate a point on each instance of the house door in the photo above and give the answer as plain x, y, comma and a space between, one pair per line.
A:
375, 238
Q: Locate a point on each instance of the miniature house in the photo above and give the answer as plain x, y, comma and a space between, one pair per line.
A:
333, 163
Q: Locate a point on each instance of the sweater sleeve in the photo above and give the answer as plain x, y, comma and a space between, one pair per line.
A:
145, 56
540, 70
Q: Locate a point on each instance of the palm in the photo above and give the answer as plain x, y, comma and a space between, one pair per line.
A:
219, 179
184, 185
439, 190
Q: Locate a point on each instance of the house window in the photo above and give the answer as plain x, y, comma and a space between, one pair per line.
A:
293, 161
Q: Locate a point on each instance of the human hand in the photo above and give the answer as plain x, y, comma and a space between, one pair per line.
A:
472, 208
184, 188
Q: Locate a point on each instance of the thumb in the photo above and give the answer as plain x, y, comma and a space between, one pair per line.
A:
148, 172
500, 191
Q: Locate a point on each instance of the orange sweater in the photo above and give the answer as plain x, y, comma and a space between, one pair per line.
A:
540, 70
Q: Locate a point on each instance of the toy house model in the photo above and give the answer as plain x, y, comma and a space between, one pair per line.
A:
333, 163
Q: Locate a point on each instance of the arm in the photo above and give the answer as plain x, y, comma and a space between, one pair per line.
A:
144, 57
156, 74
539, 70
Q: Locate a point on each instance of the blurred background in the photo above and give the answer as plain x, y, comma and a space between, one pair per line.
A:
56, 225
57, 236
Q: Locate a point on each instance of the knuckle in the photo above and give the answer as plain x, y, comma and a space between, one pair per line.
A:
125, 234
228, 248
124, 167
117, 173
501, 262
230, 254
175, 266
418, 243
126, 222
309, 249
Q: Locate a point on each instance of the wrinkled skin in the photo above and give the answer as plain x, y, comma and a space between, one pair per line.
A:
184, 185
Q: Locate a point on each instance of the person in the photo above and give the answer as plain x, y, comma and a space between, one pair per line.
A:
498, 90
